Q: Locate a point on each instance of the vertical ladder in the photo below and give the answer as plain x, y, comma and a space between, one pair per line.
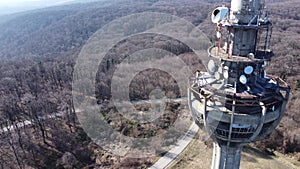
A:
268, 37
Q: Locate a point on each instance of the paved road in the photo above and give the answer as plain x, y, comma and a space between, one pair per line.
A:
166, 160
11, 128
154, 101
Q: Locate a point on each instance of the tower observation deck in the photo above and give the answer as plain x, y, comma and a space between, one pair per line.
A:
236, 101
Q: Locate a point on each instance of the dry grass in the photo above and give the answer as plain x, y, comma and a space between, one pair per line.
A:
198, 156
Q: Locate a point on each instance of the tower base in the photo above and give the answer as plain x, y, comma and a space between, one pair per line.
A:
226, 157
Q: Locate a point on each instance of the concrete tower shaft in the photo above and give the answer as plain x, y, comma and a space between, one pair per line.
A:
235, 100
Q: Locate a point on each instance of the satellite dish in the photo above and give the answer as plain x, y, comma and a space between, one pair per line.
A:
219, 14
265, 74
211, 66
248, 70
217, 75
225, 72
273, 108
265, 64
220, 69
251, 56
197, 73
243, 79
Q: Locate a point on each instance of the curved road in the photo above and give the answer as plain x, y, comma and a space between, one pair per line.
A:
166, 160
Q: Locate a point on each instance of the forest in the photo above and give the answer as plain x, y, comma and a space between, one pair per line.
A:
38, 52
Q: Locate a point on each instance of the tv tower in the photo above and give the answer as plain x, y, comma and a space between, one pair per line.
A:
236, 101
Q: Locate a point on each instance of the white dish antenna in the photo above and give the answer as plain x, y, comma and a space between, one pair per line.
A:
211, 67
251, 56
265, 64
243, 79
219, 14
248, 70
225, 72
265, 74
217, 75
